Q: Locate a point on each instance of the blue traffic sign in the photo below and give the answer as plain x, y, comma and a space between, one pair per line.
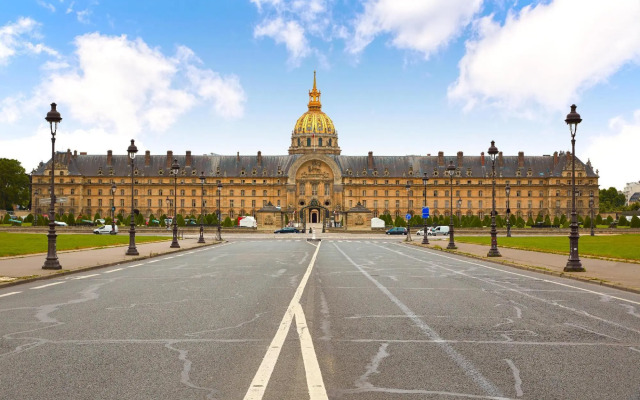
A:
425, 212
408, 216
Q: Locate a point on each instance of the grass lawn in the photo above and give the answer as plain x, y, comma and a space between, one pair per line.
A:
613, 246
13, 244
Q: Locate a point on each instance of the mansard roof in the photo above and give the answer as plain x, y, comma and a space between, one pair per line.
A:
248, 166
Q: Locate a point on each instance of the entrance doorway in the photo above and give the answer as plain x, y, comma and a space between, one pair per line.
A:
314, 216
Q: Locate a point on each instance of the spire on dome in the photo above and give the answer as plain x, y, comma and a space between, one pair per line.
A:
314, 96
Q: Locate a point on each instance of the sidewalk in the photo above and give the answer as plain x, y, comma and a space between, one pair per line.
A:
28, 268
621, 275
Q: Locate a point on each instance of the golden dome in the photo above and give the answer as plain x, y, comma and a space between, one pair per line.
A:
314, 131
314, 120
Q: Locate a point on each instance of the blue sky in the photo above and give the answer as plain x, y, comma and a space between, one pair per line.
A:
397, 77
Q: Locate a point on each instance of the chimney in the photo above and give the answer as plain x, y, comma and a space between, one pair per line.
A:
109, 157
83, 153
169, 158
482, 158
459, 159
68, 160
568, 157
370, 160
555, 158
441, 159
520, 159
147, 158
500, 159
238, 156
75, 153
259, 157
188, 162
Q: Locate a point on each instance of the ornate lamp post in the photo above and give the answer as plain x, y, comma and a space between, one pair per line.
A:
408, 213
202, 179
132, 250
507, 189
113, 210
425, 239
51, 262
175, 167
591, 209
573, 264
219, 233
493, 251
451, 169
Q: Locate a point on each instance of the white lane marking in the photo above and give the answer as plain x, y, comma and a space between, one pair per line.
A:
153, 261
47, 285
167, 258
135, 265
9, 294
261, 379
516, 377
591, 331
315, 384
468, 368
550, 302
531, 277
85, 276
632, 348
113, 270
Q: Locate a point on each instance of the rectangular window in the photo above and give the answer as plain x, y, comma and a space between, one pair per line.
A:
435, 193
469, 204
480, 204
182, 203
193, 192
468, 193
397, 203
121, 202
160, 203
301, 190
242, 203
314, 189
386, 204
253, 204
375, 204
529, 204
230, 203
193, 202
435, 204
149, 203
364, 203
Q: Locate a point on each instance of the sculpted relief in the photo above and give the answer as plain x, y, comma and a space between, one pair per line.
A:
314, 170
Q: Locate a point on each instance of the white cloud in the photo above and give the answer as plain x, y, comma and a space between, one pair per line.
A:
288, 32
15, 39
114, 88
48, 6
420, 25
615, 151
547, 54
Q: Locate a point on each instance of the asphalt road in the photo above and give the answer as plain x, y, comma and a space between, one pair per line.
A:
339, 319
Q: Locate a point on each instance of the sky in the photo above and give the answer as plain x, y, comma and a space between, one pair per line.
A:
397, 77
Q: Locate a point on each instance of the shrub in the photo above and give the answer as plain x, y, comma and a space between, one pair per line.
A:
635, 222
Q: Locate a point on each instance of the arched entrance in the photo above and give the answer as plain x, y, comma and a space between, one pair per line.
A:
314, 213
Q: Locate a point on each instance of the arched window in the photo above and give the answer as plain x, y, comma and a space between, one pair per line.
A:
308, 142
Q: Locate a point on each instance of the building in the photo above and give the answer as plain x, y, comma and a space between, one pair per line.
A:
314, 182
632, 192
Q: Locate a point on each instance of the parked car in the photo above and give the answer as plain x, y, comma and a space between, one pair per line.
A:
104, 230
287, 229
421, 231
60, 223
398, 230
440, 230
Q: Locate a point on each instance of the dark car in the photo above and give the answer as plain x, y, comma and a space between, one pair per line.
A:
288, 229
398, 230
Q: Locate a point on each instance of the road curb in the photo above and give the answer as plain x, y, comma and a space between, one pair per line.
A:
63, 272
525, 267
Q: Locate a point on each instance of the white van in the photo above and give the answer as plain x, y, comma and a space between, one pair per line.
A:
104, 230
440, 230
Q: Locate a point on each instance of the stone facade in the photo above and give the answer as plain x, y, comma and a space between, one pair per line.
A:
314, 180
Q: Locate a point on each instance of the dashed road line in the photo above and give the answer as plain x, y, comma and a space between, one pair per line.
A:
85, 276
135, 265
113, 270
9, 294
47, 285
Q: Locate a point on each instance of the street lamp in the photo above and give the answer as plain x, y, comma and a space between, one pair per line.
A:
591, 208
493, 251
202, 179
132, 251
51, 262
175, 167
573, 264
425, 239
219, 233
451, 169
113, 210
507, 189
408, 213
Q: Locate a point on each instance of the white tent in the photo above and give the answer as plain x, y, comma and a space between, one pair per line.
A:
377, 223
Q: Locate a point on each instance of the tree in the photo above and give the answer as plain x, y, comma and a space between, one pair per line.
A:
530, 221
399, 221
598, 219
71, 219
547, 220
611, 200
519, 222
587, 222
635, 222
180, 220
556, 221
14, 184
227, 222
622, 221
